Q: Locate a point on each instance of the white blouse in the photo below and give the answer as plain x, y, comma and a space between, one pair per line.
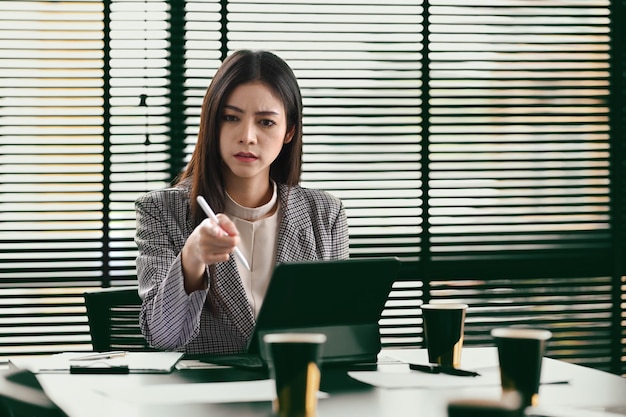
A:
258, 232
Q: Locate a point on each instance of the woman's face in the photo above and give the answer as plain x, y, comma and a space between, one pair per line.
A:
253, 129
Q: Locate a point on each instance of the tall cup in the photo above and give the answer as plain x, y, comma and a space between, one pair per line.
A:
294, 363
443, 330
520, 354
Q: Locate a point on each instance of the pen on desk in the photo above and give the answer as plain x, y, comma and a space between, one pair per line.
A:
437, 369
98, 356
207, 210
457, 371
431, 369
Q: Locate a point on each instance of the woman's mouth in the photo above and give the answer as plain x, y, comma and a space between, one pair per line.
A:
245, 157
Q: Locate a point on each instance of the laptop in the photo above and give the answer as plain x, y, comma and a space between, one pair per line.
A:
343, 299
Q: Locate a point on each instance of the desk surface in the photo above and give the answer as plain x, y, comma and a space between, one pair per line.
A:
570, 390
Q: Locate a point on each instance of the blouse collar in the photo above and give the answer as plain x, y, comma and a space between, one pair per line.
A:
248, 213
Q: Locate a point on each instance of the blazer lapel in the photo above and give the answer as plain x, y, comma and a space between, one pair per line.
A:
234, 298
295, 237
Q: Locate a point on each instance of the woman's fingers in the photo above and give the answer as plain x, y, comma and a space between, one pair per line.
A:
215, 243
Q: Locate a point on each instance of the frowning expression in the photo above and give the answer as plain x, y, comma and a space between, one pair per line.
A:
253, 129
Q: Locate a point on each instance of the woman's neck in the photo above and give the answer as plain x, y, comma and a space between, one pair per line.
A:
250, 193
252, 214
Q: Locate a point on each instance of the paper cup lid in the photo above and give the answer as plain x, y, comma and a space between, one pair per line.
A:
521, 333
294, 338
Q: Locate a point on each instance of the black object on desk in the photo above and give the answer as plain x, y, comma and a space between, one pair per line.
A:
313, 297
510, 405
438, 369
96, 368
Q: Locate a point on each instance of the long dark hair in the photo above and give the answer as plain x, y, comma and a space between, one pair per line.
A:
204, 170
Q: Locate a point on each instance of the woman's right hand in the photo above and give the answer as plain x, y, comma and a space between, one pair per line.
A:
208, 244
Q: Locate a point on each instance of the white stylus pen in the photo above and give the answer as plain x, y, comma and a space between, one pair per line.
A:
212, 216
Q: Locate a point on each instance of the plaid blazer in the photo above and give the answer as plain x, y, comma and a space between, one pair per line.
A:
313, 227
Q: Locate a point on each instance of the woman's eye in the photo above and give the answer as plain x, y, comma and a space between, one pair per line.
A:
267, 122
230, 118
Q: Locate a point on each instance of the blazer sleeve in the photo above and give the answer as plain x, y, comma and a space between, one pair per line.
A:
169, 317
340, 247
331, 224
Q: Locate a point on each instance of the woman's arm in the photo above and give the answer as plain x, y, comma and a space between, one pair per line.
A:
169, 315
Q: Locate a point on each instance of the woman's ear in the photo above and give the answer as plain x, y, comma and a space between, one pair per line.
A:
289, 135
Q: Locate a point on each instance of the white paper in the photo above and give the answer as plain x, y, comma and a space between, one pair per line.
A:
473, 359
406, 378
483, 360
562, 411
416, 379
186, 364
137, 362
209, 392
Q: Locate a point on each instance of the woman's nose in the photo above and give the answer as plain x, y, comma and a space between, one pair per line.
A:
248, 132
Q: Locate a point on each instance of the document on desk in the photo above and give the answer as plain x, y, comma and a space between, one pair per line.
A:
564, 411
206, 392
210, 392
403, 377
128, 362
483, 360
415, 379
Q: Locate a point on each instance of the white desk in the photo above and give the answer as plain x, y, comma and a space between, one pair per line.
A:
587, 393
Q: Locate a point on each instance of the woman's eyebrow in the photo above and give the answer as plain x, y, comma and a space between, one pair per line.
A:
233, 108
268, 113
260, 113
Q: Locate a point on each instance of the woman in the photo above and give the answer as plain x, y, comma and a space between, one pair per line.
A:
247, 161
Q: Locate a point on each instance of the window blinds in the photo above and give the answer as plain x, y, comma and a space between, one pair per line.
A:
519, 145
358, 65
517, 219
51, 168
84, 102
